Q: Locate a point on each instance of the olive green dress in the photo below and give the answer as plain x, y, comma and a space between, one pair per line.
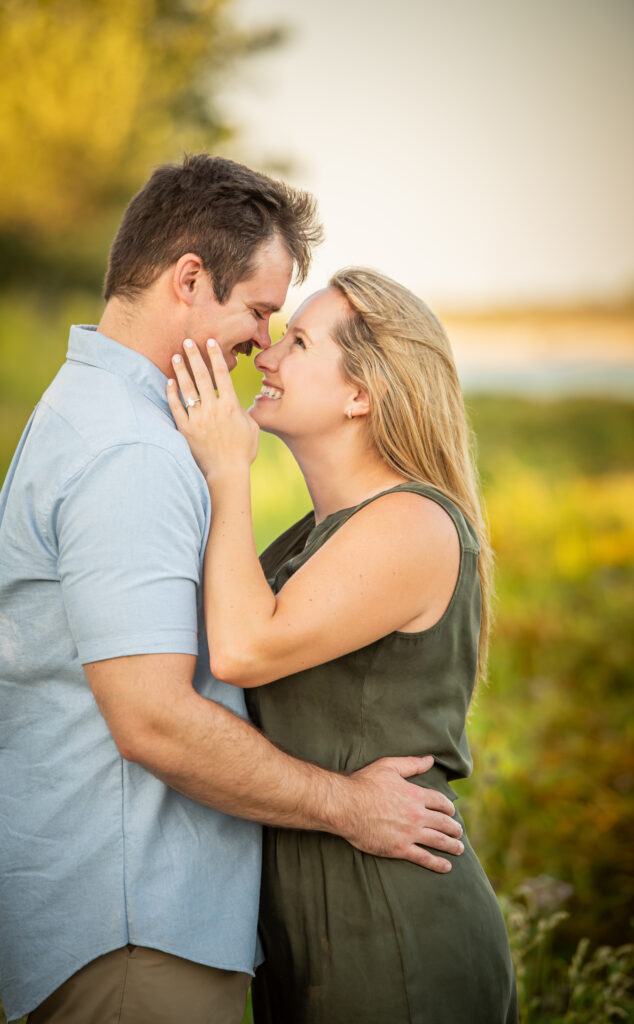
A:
350, 938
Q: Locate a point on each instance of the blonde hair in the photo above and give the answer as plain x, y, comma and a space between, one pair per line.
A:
395, 349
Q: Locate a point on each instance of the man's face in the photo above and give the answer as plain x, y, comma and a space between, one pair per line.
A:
243, 320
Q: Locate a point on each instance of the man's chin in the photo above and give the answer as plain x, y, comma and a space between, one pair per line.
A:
230, 356
245, 348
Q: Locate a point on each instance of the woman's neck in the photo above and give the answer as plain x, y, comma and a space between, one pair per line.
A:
339, 476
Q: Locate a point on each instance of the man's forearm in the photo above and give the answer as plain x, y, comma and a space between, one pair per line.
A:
225, 763
214, 757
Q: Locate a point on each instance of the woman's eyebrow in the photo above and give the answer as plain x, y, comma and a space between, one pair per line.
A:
301, 330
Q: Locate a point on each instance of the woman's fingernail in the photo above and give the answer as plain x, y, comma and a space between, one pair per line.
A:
170, 383
188, 343
211, 342
461, 847
176, 359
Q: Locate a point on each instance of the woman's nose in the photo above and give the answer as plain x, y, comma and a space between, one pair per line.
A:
267, 358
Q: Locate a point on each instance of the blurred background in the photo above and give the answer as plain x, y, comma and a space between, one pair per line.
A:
483, 154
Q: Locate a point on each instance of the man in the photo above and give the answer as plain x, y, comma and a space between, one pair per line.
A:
129, 890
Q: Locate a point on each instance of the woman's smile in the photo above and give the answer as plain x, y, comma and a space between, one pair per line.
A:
270, 391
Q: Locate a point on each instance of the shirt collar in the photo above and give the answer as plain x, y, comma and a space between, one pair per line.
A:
87, 345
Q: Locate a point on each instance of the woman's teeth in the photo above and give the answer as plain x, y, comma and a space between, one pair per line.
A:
270, 392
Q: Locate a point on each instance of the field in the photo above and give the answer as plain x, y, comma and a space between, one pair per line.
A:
549, 807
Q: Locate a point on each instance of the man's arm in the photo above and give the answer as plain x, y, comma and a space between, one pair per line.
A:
209, 754
130, 529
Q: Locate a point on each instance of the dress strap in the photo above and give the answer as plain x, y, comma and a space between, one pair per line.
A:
466, 532
287, 545
290, 551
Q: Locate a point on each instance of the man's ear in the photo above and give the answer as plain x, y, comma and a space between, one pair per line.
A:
187, 277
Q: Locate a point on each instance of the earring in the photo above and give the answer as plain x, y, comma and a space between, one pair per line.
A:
349, 414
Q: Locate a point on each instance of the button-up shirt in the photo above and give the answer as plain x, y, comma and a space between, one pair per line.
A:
103, 523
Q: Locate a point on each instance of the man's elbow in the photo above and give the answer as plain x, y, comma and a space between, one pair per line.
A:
135, 746
146, 741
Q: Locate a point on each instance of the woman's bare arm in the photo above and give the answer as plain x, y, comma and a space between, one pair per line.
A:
394, 561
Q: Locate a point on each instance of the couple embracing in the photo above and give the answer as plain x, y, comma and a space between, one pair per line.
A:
138, 626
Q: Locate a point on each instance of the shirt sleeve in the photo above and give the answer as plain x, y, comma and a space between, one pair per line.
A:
131, 529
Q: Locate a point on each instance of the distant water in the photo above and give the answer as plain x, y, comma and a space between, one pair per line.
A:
557, 380
572, 352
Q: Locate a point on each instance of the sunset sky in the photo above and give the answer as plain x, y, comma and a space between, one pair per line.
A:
481, 152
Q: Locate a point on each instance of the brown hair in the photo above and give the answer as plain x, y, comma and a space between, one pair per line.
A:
395, 349
220, 210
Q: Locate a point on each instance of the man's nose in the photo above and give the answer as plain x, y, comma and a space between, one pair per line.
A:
262, 337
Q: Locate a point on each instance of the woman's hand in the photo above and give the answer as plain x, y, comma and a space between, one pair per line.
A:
222, 436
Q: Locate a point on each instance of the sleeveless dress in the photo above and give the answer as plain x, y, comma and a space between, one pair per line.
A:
350, 938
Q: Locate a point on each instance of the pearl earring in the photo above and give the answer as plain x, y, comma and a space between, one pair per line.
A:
349, 414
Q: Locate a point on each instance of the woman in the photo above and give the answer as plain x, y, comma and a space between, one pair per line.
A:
370, 632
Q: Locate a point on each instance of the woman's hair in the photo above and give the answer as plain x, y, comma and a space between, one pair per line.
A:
395, 349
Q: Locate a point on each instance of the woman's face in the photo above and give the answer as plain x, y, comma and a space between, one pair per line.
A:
304, 392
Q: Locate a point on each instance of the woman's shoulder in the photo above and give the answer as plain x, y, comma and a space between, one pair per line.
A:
420, 511
287, 545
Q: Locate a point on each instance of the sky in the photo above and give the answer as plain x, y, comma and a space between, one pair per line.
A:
479, 151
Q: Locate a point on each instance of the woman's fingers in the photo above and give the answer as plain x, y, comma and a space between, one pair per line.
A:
176, 406
219, 369
218, 430
200, 384
187, 387
202, 377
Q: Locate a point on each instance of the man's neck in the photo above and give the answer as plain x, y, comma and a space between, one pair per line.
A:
141, 326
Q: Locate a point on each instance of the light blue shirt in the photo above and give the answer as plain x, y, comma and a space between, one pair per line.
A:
103, 522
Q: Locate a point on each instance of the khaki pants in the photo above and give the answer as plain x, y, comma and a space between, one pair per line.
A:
135, 985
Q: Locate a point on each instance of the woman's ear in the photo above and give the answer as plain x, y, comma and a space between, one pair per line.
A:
188, 277
359, 403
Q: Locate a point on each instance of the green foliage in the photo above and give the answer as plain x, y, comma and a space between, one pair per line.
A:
593, 988
552, 734
93, 95
248, 1013
33, 343
567, 438
550, 806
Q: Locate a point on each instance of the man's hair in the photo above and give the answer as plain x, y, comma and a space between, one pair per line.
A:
218, 209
